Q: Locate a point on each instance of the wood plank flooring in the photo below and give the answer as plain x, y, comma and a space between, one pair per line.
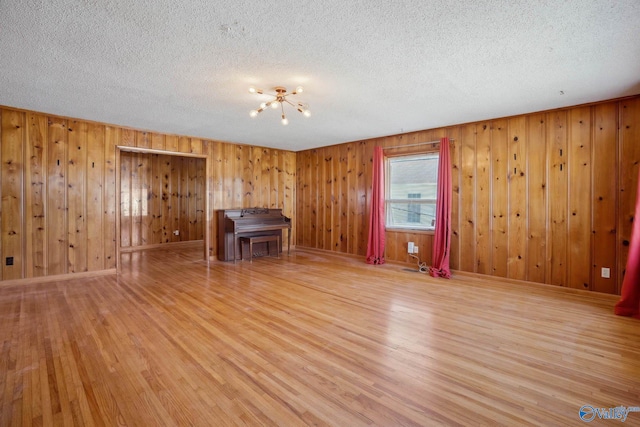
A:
310, 339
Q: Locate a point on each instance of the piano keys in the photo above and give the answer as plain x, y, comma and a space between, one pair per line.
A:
236, 223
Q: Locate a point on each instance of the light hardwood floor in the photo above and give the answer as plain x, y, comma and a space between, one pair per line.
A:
310, 339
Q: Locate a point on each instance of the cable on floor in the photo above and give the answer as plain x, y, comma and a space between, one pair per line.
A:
422, 266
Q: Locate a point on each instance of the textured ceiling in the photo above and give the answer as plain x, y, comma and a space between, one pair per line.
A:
369, 67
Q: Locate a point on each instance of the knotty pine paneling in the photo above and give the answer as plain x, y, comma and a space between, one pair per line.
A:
199, 196
604, 196
499, 198
517, 190
329, 178
157, 141
146, 184
171, 143
56, 203
244, 181
174, 198
304, 197
536, 198
551, 149
580, 199
12, 176
59, 195
137, 208
558, 192
479, 213
158, 197
547, 197
35, 196
183, 195
166, 201
96, 197
317, 206
468, 179
324, 193
343, 214
351, 212
77, 197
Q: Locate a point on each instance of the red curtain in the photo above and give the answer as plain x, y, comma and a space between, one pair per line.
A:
629, 303
375, 245
442, 238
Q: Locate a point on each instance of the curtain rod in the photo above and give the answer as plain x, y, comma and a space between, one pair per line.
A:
416, 144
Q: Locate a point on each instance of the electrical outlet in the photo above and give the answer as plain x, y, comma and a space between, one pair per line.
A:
415, 249
410, 247
9, 260
176, 232
605, 273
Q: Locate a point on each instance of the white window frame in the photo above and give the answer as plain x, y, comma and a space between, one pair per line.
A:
389, 224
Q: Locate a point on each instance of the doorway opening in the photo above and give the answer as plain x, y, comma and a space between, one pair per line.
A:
162, 200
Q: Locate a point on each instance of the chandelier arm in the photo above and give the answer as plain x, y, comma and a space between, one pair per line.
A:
270, 95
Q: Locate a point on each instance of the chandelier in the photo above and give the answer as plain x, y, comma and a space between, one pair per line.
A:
279, 99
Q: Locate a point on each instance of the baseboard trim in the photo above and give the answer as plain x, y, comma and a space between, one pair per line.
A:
171, 245
58, 277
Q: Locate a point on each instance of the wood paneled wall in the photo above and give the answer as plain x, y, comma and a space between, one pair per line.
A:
161, 194
546, 197
58, 190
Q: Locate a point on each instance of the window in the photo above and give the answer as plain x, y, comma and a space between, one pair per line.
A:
411, 191
413, 209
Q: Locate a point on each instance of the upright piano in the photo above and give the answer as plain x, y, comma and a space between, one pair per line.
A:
236, 223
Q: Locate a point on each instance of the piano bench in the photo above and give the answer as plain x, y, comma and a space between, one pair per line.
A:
259, 239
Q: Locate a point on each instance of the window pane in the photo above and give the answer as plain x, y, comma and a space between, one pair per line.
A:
411, 191
413, 175
421, 215
413, 214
